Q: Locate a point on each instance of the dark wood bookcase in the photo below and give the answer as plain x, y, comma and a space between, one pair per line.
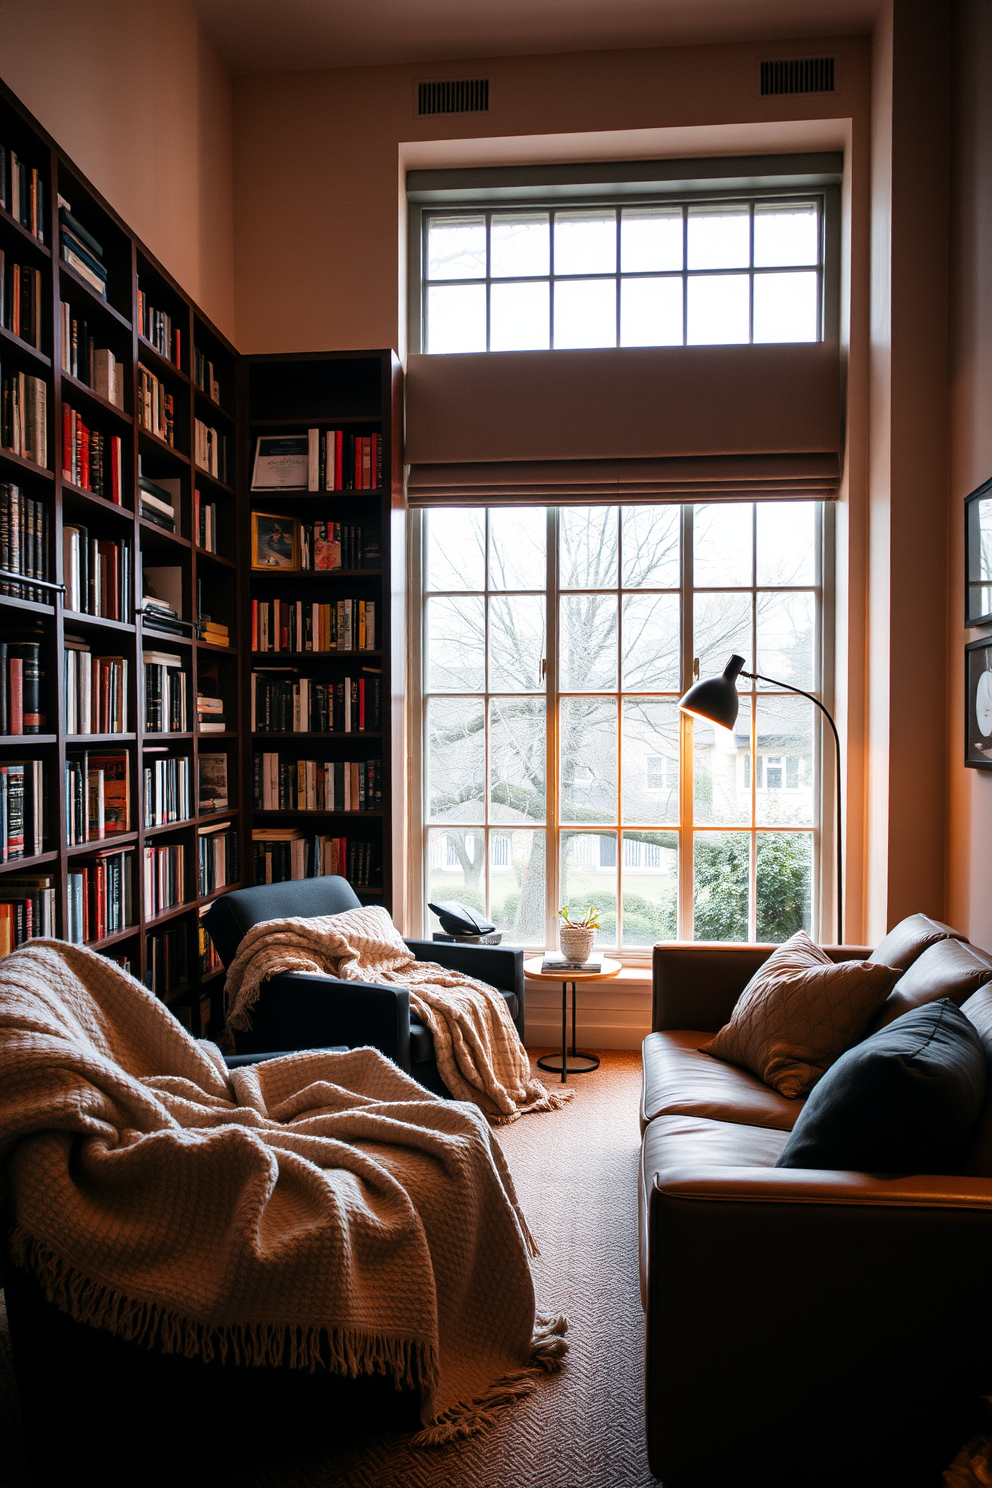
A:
357, 393
217, 576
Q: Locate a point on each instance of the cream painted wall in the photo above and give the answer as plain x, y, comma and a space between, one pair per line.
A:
969, 840
135, 93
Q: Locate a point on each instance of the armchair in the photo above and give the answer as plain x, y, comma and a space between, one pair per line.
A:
298, 1010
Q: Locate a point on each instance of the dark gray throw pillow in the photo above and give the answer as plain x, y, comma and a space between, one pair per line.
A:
904, 1100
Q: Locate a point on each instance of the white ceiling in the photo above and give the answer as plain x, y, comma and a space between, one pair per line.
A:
278, 35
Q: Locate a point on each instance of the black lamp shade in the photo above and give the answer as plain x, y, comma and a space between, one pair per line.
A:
715, 698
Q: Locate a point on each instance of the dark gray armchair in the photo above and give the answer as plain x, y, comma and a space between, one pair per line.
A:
301, 1011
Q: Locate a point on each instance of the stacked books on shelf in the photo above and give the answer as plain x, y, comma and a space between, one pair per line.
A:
157, 327
165, 693
97, 574
25, 543
156, 406
20, 688
209, 959
162, 597
320, 460
168, 966
83, 359
163, 877
205, 375
22, 810
217, 847
296, 625
205, 523
22, 193
27, 908
214, 631
91, 460
325, 546
283, 704
100, 900
166, 793
81, 250
96, 700
283, 784
24, 417
210, 717
212, 783
210, 450
158, 500
97, 795
20, 300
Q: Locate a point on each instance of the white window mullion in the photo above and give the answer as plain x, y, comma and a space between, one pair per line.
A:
551, 849
686, 823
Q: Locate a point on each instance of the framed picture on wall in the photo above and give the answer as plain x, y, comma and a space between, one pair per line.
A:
275, 543
978, 704
978, 556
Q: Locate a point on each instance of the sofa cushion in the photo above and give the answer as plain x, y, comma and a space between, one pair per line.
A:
679, 1079
799, 1012
905, 1100
948, 968
909, 939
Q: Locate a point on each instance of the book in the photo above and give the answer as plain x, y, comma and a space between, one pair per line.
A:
281, 462
166, 790
212, 782
555, 962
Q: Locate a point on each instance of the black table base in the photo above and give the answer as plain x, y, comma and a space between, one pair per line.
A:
557, 1064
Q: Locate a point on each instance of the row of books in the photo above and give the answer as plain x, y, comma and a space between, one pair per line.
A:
97, 795
27, 908
90, 459
96, 690
100, 899
299, 625
209, 957
284, 853
166, 796
156, 406
217, 847
165, 693
24, 417
25, 543
22, 809
83, 359
158, 329
168, 965
96, 574
283, 784
320, 460
283, 704
205, 523
325, 546
22, 192
20, 687
210, 450
20, 300
163, 876
81, 250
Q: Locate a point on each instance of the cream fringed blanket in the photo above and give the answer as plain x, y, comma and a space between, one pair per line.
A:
321, 1209
478, 1050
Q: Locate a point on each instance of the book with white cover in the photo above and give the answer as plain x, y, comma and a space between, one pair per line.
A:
282, 462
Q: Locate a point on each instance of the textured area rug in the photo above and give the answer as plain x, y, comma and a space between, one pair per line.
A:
576, 1175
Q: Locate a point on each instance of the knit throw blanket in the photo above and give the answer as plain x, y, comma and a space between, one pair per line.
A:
478, 1050
321, 1210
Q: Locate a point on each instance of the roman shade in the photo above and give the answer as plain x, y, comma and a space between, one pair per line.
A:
698, 423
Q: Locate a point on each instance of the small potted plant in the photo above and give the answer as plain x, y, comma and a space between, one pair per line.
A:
576, 935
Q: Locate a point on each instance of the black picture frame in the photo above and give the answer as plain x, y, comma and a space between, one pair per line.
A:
978, 704
978, 556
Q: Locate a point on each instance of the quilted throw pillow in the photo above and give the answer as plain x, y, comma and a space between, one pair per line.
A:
799, 1012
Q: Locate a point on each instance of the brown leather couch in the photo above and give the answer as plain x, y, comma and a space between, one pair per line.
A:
804, 1327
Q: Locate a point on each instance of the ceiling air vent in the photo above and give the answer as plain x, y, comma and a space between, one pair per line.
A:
453, 96
797, 75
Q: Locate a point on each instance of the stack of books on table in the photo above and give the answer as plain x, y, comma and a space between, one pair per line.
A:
553, 961
210, 714
81, 251
158, 501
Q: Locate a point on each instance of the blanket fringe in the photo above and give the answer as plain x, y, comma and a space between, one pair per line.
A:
548, 1350
410, 1363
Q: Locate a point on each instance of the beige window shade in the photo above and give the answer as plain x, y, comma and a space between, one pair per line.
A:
637, 424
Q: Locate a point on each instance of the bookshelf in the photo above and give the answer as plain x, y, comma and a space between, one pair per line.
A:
322, 664
114, 375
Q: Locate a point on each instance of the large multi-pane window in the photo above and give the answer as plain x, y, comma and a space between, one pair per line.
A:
557, 767
695, 274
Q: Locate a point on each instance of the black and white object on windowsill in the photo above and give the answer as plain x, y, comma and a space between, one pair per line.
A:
553, 962
462, 925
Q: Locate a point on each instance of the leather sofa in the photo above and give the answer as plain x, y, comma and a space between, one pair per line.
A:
804, 1327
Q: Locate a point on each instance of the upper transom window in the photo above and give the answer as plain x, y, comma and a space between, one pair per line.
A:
689, 274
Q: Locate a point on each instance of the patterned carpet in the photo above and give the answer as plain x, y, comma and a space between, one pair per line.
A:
576, 1173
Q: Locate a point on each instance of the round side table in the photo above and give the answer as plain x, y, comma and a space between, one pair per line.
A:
568, 979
